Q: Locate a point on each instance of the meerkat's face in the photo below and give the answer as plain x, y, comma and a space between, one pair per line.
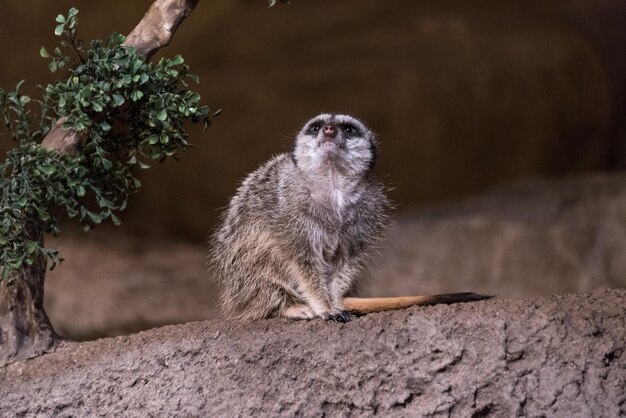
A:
338, 141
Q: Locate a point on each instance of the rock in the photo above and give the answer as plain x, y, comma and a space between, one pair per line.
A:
555, 356
114, 284
534, 238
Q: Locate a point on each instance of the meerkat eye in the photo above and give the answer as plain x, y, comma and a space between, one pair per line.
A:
314, 128
349, 129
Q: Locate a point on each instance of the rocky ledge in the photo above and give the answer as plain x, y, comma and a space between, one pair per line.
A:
561, 355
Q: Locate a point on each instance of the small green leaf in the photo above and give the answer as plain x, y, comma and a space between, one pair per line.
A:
103, 202
60, 19
177, 60
162, 115
59, 29
14, 265
136, 95
136, 64
30, 248
43, 215
116, 220
47, 169
118, 100
43, 52
194, 77
95, 217
85, 92
105, 126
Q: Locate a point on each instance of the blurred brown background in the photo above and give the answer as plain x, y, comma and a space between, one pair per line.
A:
464, 95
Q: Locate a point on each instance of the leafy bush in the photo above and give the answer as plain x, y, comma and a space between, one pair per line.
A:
127, 110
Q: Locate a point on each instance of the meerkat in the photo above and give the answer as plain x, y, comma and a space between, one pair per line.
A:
296, 237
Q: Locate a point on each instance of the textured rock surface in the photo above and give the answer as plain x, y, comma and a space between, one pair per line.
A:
558, 356
113, 284
535, 238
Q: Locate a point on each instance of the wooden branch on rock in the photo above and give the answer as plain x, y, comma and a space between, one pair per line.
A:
154, 31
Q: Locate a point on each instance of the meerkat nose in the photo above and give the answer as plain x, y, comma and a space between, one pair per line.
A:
330, 130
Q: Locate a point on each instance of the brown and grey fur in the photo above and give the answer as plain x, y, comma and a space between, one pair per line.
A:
298, 233
297, 236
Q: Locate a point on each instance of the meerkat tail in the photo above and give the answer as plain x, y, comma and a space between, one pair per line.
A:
369, 305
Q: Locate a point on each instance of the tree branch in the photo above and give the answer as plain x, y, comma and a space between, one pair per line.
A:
158, 25
154, 31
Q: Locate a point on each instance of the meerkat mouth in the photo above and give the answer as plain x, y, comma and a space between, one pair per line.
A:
327, 141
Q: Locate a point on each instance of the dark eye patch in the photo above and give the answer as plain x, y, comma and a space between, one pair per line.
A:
314, 128
350, 129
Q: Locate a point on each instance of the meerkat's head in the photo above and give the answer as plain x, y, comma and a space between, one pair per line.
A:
335, 141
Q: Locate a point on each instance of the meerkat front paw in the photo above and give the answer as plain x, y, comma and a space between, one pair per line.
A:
339, 316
